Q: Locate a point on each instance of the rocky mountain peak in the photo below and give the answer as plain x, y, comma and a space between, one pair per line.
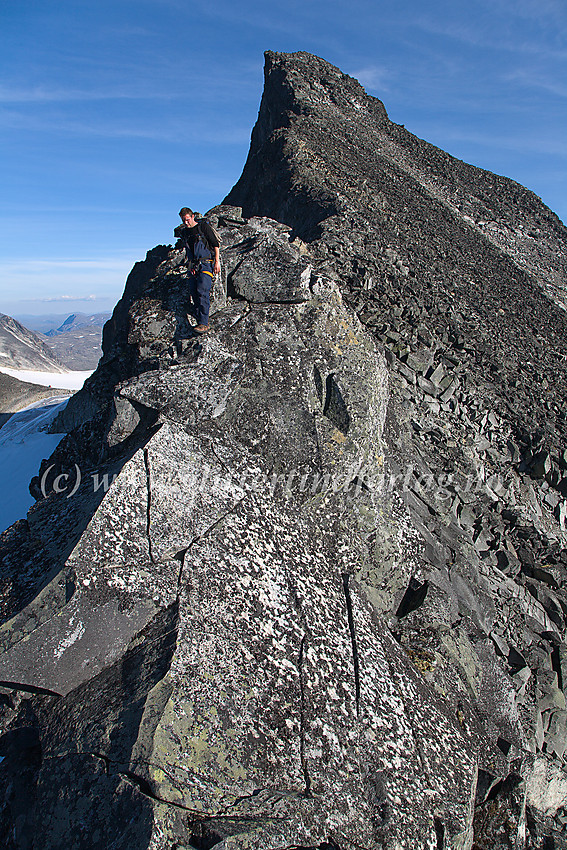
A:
302, 582
480, 257
302, 85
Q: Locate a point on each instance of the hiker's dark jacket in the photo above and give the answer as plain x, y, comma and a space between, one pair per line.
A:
189, 237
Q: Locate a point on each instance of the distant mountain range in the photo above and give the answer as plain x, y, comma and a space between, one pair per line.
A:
75, 340
79, 321
48, 322
21, 348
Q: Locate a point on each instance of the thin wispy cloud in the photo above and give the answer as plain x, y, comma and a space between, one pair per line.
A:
69, 264
44, 94
155, 80
536, 144
264, 18
537, 10
486, 34
157, 130
373, 77
537, 81
65, 280
62, 298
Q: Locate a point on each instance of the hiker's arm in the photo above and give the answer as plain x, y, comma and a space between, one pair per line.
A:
216, 264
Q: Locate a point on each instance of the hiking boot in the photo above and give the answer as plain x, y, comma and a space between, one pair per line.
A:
200, 329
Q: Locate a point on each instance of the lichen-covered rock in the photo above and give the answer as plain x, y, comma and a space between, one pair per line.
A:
461, 274
304, 584
269, 270
285, 712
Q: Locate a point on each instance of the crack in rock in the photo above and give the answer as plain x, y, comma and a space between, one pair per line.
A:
29, 689
304, 765
148, 504
350, 617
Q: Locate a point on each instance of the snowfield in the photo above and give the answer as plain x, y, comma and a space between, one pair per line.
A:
24, 440
57, 380
23, 445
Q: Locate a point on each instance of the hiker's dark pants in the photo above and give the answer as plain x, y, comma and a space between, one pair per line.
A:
200, 285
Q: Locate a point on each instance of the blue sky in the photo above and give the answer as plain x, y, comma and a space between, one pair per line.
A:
116, 113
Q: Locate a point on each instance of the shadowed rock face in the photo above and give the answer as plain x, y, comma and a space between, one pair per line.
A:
473, 256
306, 585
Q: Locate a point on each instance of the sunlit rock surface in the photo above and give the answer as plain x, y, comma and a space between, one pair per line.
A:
300, 583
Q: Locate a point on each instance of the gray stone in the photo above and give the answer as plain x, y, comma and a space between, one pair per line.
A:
560, 512
269, 270
124, 423
419, 361
406, 372
427, 386
540, 465
448, 394
206, 645
437, 375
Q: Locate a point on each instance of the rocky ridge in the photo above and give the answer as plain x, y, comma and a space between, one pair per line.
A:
20, 348
310, 589
15, 395
460, 274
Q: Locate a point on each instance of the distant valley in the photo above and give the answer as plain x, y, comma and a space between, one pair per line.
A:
21, 348
75, 339
70, 344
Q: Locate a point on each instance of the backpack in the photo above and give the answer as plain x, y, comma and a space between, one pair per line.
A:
215, 231
202, 249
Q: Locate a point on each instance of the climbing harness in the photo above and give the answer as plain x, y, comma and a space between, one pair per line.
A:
197, 267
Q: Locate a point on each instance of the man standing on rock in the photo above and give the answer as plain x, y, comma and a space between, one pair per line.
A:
202, 248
